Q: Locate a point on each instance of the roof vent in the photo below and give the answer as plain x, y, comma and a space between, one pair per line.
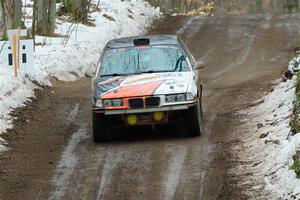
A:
141, 42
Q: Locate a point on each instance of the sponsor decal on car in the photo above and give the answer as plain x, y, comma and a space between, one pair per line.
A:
144, 85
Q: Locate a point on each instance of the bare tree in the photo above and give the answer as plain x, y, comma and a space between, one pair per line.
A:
2, 21
98, 3
78, 9
45, 15
12, 13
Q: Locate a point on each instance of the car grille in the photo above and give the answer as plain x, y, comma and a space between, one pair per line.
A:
152, 102
144, 103
136, 103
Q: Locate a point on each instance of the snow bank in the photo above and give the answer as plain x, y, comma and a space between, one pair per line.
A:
267, 150
294, 65
71, 58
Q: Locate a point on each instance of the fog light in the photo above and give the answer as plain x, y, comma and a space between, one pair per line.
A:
158, 116
132, 120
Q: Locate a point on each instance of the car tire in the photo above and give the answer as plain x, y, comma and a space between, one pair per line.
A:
100, 129
193, 120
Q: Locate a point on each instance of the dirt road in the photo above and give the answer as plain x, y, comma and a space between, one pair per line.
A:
54, 157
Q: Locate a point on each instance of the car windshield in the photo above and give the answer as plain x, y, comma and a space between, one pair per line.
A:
143, 59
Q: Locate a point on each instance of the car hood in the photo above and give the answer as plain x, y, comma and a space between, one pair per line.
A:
143, 84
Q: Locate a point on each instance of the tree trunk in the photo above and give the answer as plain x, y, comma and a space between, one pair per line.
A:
34, 22
45, 16
12, 13
84, 10
2, 21
80, 10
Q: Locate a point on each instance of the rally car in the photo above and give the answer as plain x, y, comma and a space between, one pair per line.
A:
149, 80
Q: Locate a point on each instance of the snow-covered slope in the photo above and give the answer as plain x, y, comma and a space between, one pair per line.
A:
77, 54
267, 149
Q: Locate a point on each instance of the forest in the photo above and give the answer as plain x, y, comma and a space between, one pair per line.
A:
44, 14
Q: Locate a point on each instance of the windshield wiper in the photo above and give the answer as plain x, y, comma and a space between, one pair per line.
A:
114, 74
143, 72
155, 71
179, 63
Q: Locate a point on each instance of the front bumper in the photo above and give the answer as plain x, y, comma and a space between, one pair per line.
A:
145, 110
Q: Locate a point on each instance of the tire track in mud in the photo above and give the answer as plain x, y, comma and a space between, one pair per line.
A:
174, 169
67, 163
240, 59
183, 28
128, 166
110, 162
188, 24
69, 158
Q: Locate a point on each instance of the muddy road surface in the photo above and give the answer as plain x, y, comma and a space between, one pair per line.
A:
53, 155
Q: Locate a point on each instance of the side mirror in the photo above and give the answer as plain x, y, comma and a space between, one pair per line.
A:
198, 65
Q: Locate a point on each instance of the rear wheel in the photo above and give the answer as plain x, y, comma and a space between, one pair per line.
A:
193, 120
100, 129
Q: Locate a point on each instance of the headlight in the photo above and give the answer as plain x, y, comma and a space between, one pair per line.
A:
99, 103
107, 103
179, 98
117, 102
112, 102
170, 98
190, 96
175, 98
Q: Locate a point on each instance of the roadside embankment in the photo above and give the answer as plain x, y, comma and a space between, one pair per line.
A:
269, 151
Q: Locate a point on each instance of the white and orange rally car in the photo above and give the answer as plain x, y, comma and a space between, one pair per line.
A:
149, 80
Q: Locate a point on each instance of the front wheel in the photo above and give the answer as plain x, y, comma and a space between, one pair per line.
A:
100, 129
193, 120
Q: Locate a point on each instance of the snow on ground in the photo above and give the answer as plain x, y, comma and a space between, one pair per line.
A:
267, 150
71, 58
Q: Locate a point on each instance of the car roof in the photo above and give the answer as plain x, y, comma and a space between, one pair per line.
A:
154, 40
